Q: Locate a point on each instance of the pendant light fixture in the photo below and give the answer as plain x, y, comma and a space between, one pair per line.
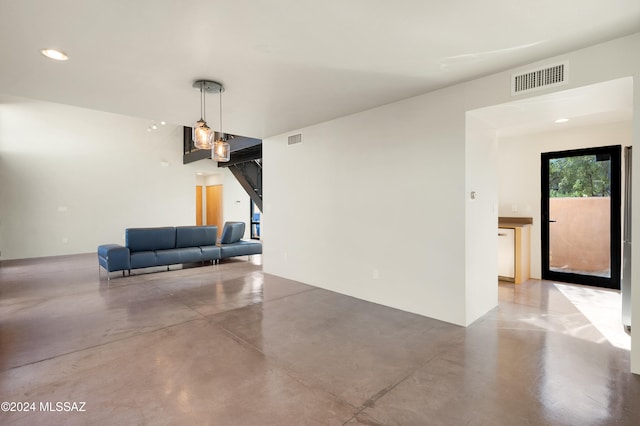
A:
202, 134
221, 150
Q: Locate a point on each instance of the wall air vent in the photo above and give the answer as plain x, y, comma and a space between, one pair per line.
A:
539, 78
294, 139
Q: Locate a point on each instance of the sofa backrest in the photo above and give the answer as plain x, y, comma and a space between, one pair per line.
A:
232, 232
196, 236
146, 239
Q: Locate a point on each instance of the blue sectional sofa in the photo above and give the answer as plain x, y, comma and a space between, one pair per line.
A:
147, 247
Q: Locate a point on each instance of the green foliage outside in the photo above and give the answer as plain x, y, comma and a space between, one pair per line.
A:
581, 176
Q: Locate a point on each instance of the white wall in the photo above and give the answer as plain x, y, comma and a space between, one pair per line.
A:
481, 218
519, 170
73, 178
635, 233
384, 193
372, 205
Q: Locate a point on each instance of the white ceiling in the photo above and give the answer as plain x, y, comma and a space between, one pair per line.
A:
606, 102
285, 64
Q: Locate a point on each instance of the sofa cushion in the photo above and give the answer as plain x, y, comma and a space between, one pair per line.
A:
241, 248
210, 252
182, 255
146, 239
143, 259
195, 236
232, 232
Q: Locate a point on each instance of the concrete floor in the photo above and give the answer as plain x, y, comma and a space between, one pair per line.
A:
230, 345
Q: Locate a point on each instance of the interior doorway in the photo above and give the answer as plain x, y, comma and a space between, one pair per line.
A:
209, 204
256, 221
599, 115
580, 211
199, 205
213, 207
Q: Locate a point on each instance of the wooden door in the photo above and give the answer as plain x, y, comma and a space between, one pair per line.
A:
199, 205
214, 206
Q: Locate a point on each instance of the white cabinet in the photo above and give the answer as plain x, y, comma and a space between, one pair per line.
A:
506, 253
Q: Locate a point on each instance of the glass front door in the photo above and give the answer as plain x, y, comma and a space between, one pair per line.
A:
581, 216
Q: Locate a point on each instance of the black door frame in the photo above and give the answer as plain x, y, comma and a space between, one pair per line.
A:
616, 234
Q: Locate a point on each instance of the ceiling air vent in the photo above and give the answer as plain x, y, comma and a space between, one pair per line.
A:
293, 139
539, 78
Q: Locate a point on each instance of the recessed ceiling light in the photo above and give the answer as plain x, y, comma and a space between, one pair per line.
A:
562, 120
54, 54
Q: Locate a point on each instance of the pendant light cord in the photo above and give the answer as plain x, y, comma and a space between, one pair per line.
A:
221, 134
202, 104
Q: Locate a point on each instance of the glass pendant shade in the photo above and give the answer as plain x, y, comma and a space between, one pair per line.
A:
202, 135
221, 150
